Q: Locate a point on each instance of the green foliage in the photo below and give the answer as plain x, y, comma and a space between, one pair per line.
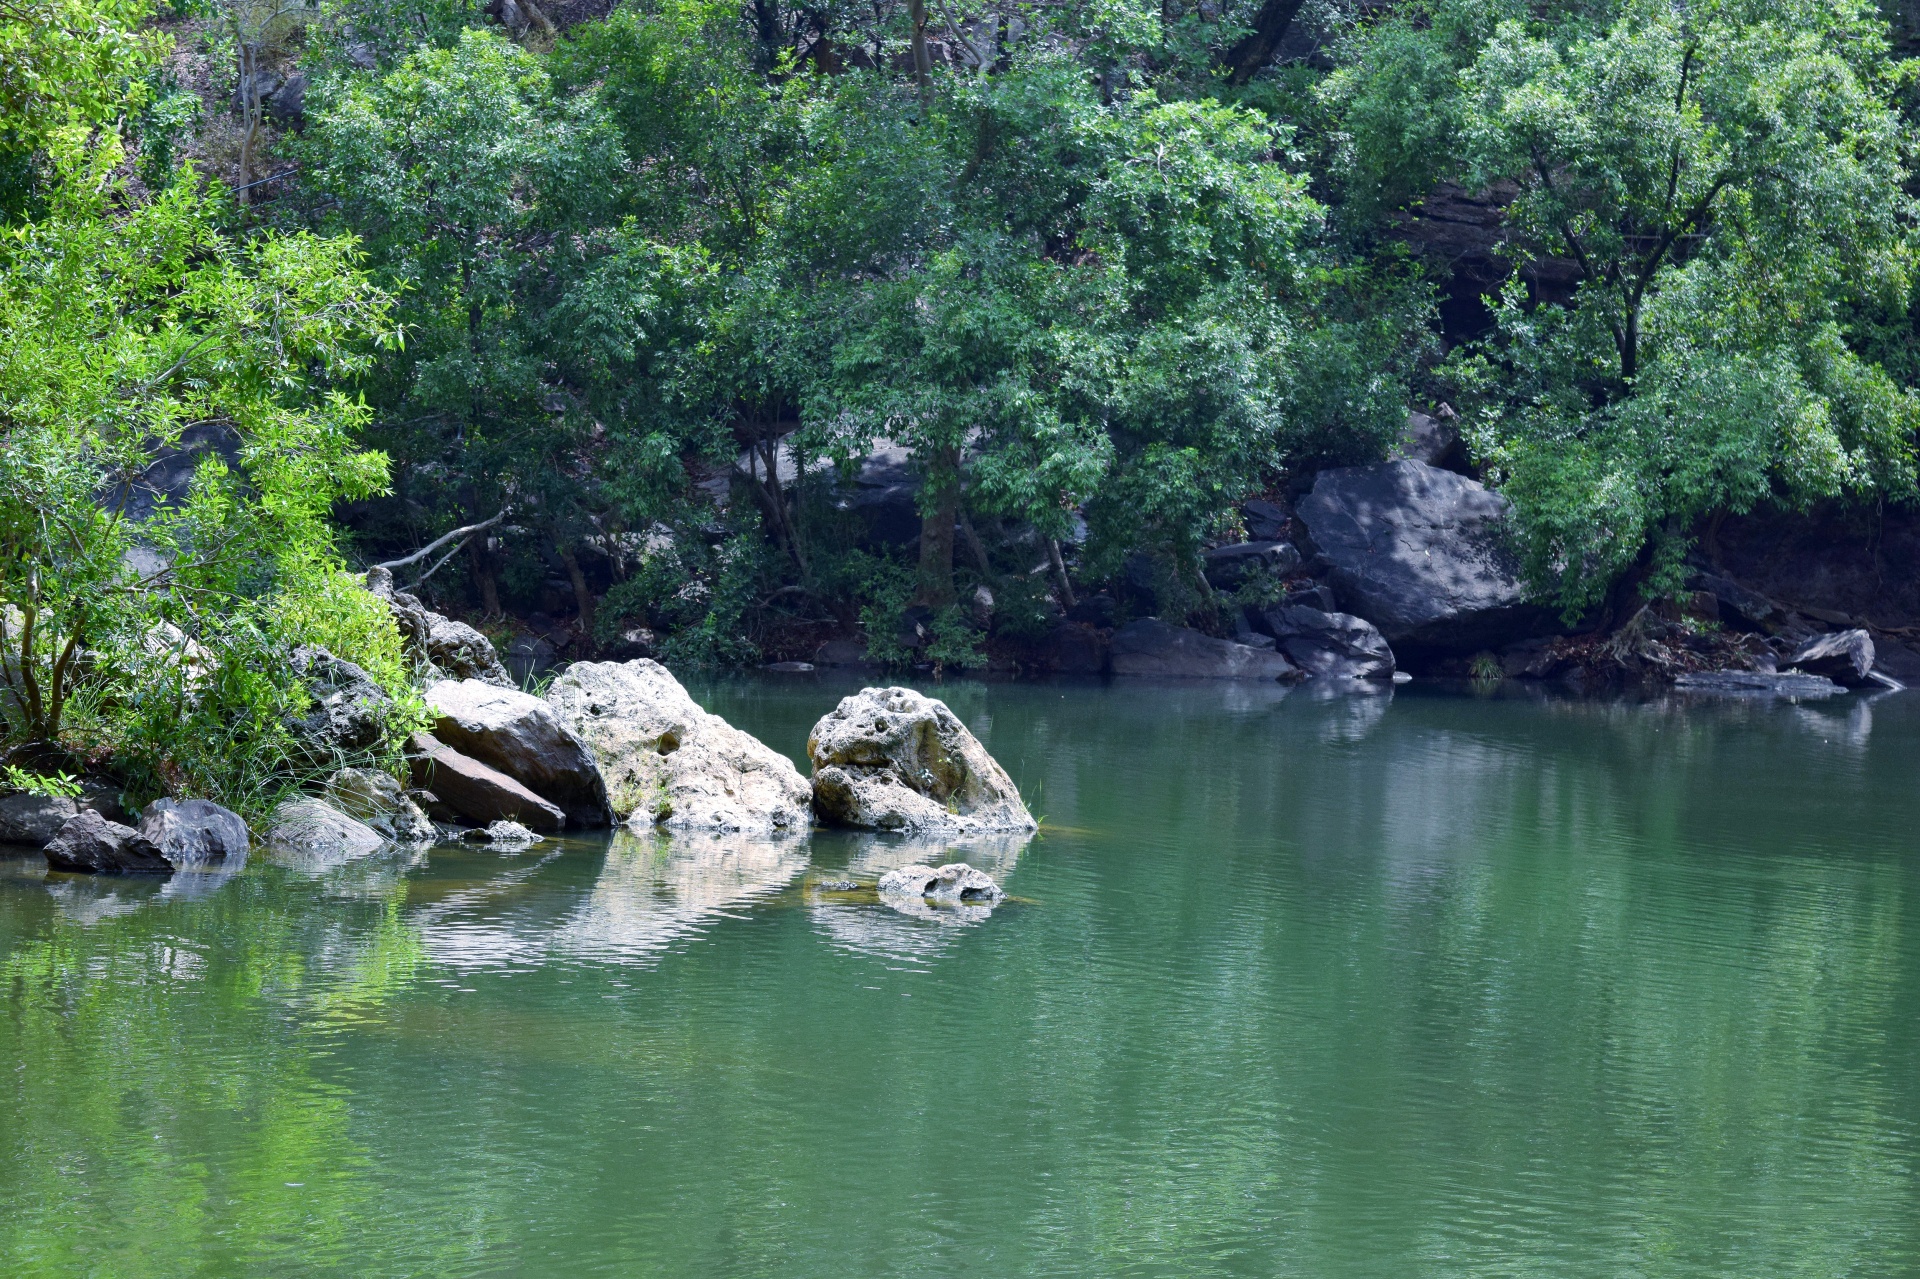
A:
49, 785
127, 322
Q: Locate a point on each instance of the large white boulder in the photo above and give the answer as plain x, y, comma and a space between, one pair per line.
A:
668, 762
893, 759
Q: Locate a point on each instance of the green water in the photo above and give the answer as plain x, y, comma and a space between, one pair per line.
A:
1423, 986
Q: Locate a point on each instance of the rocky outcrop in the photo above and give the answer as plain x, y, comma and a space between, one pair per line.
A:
378, 800
1330, 645
349, 712
195, 832
892, 759
1226, 567
1846, 658
1151, 647
475, 792
518, 734
445, 648
310, 831
667, 761
90, 844
1418, 552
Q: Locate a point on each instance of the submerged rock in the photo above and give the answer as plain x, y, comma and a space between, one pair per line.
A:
1757, 684
379, 801
668, 762
1330, 645
473, 791
312, 830
893, 759
90, 844
955, 881
1418, 552
517, 734
195, 832
1151, 647
503, 835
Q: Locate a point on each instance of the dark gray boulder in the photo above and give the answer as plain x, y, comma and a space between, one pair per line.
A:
1151, 647
349, 711
1330, 645
1072, 648
34, 819
1227, 566
1846, 658
89, 844
195, 832
472, 791
520, 735
1419, 552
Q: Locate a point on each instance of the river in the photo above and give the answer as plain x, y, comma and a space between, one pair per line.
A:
1420, 984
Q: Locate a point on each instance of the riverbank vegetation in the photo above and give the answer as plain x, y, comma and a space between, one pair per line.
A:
733, 329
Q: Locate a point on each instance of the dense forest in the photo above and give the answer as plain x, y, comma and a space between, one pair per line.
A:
718, 332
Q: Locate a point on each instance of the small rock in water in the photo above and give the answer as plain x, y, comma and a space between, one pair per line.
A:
502, 834
790, 668
837, 886
1757, 684
195, 832
956, 882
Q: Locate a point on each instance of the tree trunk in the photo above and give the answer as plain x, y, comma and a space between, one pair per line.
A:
1246, 58
249, 116
936, 532
481, 560
582, 597
1060, 578
922, 64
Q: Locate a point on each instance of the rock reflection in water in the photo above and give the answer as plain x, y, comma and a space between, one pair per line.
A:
905, 928
658, 886
94, 899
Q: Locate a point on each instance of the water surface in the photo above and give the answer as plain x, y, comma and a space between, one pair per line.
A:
1420, 985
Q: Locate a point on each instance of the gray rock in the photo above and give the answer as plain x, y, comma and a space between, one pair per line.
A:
1419, 553
1739, 605
349, 712
475, 792
893, 759
90, 844
1757, 684
446, 648
1266, 521
313, 832
288, 103
955, 882
668, 762
529, 657
1330, 645
842, 652
1227, 566
1151, 647
379, 801
1432, 440
1073, 648
1846, 658
520, 735
33, 819
195, 832
503, 835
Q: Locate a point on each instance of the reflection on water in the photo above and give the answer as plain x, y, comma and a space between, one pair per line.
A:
657, 887
1392, 984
